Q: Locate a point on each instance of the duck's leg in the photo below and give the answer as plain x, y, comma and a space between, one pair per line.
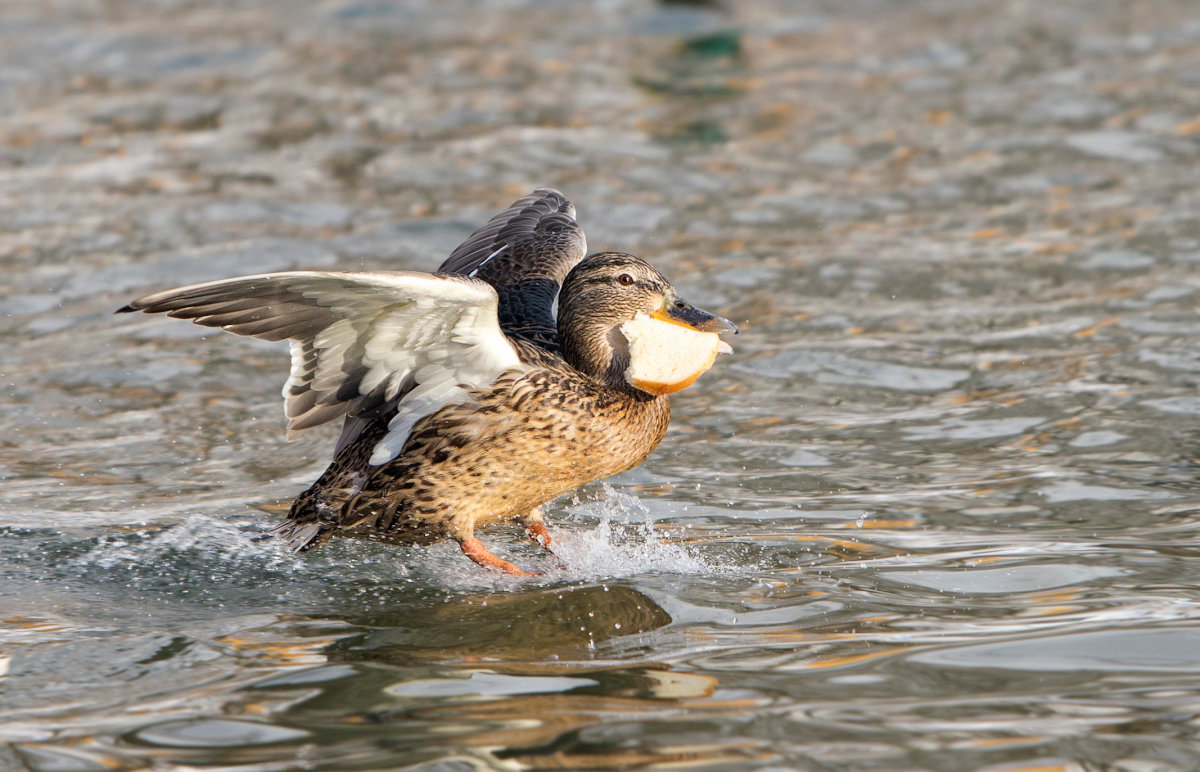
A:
535, 526
475, 550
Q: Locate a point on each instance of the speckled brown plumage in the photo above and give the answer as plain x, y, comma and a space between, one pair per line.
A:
559, 411
520, 444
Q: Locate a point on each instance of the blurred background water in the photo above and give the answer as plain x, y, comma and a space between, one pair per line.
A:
938, 512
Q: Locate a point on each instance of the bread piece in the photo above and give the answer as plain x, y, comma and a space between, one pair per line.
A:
665, 357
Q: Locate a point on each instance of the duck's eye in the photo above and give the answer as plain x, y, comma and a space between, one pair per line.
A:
625, 279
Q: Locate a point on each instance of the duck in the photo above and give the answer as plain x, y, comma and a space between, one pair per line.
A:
520, 370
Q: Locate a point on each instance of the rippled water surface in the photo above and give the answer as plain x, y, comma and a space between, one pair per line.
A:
938, 511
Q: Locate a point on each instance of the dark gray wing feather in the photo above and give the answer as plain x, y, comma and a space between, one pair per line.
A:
525, 252
515, 225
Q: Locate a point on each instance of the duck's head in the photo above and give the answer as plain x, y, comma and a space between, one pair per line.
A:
621, 322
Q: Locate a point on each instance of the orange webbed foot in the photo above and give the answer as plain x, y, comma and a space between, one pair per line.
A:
538, 531
475, 550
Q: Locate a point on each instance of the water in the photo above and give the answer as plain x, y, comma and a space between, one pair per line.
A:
937, 512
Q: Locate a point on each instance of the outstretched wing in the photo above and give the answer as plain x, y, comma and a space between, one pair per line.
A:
359, 339
525, 252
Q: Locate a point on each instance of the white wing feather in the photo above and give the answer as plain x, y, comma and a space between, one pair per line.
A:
359, 339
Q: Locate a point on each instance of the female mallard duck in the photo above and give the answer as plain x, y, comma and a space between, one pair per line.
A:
465, 401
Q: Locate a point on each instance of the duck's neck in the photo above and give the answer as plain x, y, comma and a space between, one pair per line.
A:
596, 349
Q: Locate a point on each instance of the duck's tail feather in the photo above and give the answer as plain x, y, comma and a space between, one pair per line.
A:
302, 535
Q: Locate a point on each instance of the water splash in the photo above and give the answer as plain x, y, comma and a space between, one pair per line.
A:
611, 535
206, 561
623, 542
223, 540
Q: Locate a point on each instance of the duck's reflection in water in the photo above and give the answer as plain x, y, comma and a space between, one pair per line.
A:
513, 679
535, 628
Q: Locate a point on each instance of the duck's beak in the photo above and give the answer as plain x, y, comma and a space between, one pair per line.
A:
678, 311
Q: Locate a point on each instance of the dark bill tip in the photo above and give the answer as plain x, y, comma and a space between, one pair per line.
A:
685, 314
